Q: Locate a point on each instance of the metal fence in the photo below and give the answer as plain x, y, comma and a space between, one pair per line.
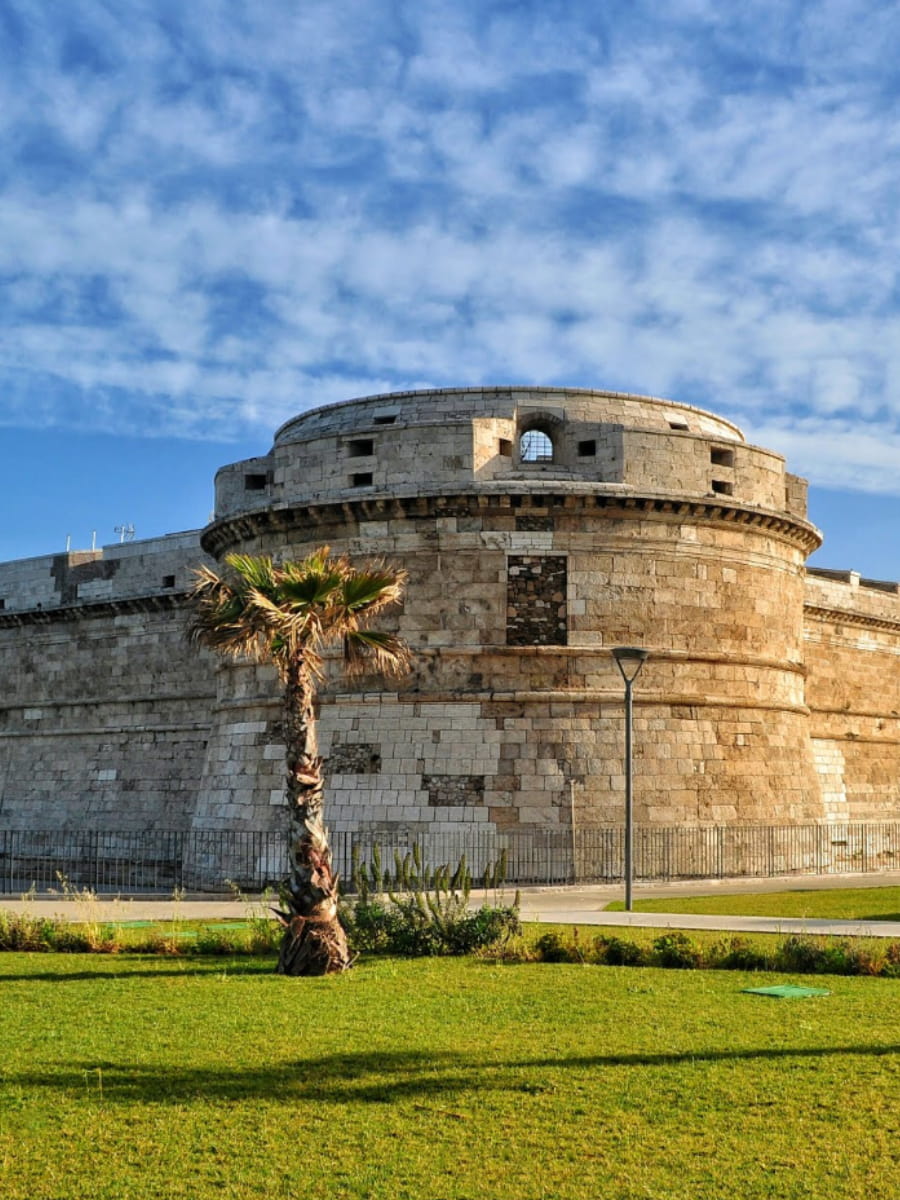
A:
162, 862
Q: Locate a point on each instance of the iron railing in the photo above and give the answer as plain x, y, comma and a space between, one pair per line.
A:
208, 861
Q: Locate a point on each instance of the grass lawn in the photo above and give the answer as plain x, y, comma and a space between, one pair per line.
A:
842, 904
124, 1078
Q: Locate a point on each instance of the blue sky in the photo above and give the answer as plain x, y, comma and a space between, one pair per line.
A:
217, 215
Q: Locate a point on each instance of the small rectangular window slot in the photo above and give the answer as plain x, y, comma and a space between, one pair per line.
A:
721, 458
361, 447
256, 483
2, 604
505, 448
361, 479
679, 425
168, 581
722, 488
383, 420
587, 449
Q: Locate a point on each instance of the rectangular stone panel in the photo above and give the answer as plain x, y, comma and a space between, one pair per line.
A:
360, 758
536, 613
453, 791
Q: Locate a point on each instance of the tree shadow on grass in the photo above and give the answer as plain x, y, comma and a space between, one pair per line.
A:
208, 967
377, 1077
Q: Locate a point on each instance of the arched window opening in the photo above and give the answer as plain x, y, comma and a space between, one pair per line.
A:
535, 446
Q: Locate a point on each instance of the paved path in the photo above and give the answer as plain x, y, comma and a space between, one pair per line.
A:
577, 905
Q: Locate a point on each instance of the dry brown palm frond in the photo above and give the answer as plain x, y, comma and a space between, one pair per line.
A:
367, 651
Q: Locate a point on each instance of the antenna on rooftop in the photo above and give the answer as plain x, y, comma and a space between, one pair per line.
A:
125, 532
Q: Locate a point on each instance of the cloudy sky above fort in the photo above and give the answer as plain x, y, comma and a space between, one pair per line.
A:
217, 215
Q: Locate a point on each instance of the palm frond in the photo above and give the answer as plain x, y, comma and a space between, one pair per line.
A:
274, 612
254, 571
368, 651
314, 589
372, 589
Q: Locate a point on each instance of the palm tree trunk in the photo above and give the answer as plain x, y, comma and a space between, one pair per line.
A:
314, 942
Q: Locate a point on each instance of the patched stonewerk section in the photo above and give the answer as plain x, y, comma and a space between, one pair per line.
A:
446, 791
361, 758
536, 600
539, 528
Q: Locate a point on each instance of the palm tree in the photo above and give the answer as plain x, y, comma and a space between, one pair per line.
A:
286, 614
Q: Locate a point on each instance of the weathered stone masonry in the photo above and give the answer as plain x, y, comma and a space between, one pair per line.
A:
772, 694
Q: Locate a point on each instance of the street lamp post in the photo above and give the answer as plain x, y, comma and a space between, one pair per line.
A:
629, 660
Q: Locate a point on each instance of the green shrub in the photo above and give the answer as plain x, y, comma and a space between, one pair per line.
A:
619, 952
265, 935
402, 927
550, 948
677, 950
810, 956
892, 960
217, 942
21, 931
737, 954
424, 911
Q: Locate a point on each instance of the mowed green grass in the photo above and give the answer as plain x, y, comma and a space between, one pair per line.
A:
839, 904
124, 1077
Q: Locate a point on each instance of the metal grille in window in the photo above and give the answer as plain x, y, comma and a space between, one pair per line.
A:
535, 446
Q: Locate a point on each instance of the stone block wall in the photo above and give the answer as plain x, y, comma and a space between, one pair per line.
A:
103, 722
771, 695
852, 652
104, 707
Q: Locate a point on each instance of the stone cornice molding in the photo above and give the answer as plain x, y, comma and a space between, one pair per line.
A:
840, 616
222, 536
93, 608
657, 655
600, 698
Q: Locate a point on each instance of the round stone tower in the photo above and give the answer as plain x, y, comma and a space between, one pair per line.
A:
540, 527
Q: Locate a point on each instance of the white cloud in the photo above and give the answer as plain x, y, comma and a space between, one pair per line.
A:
211, 227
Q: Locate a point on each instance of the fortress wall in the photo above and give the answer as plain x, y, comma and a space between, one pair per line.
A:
771, 695
852, 651
519, 583
443, 405
696, 466
152, 567
104, 708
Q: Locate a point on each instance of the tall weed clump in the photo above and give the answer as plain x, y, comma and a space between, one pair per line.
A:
417, 910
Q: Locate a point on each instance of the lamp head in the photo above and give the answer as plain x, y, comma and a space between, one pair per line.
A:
629, 660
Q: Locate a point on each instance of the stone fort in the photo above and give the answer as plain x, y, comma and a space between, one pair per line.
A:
540, 527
